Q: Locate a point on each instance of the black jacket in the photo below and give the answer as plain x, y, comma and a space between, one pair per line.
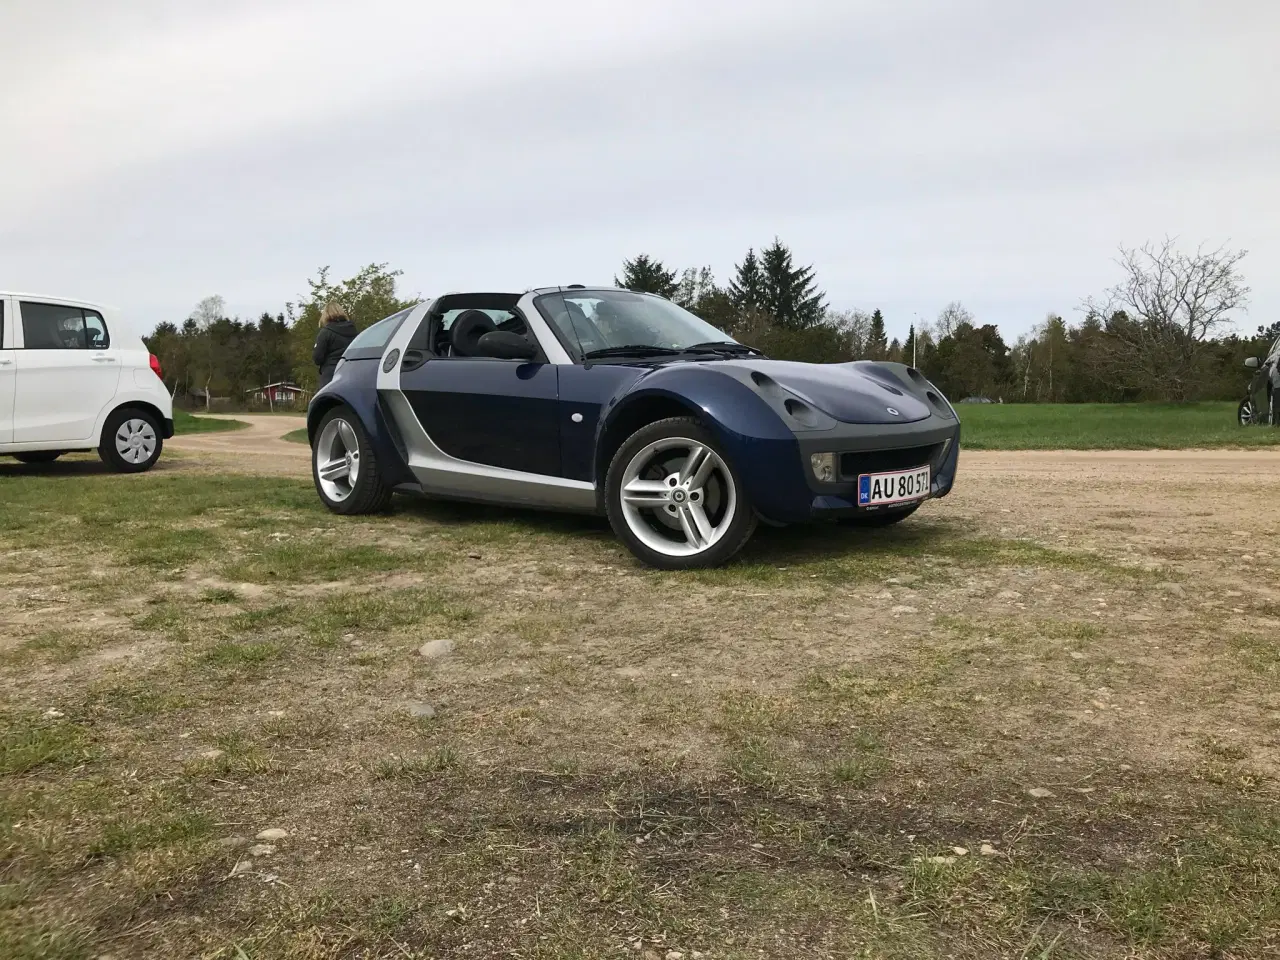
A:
334, 338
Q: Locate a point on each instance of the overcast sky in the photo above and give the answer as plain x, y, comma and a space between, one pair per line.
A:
153, 152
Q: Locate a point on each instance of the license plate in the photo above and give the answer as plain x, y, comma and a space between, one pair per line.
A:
877, 489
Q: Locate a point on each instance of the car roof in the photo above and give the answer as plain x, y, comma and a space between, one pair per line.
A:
48, 298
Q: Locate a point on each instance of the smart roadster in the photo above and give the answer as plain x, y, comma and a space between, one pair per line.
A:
623, 404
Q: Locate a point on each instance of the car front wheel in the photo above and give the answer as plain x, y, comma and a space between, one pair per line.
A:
344, 467
1245, 413
675, 500
131, 441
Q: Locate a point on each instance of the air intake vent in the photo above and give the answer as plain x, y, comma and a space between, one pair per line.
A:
800, 412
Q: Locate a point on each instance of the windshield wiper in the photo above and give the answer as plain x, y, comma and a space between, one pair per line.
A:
723, 346
630, 350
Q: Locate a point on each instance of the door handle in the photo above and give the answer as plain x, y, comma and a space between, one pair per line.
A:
413, 359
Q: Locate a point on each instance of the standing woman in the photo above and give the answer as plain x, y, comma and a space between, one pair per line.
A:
336, 333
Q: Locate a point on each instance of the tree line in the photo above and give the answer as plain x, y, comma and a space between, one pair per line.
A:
1163, 332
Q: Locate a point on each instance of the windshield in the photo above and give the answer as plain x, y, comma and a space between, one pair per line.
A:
588, 321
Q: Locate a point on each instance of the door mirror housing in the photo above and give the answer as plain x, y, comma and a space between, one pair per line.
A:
1252, 363
505, 345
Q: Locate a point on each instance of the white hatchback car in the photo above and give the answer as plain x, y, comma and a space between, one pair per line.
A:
74, 376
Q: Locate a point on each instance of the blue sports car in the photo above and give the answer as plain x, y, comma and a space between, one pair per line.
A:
599, 400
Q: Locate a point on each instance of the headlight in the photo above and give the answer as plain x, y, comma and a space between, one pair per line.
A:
824, 466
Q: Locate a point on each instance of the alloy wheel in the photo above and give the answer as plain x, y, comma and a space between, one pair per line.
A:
337, 460
678, 497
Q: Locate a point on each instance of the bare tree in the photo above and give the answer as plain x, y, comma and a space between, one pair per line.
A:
1159, 316
206, 313
952, 315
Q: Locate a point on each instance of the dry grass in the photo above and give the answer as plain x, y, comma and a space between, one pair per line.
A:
777, 759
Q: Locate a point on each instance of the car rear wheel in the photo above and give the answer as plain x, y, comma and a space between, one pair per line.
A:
38, 456
675, 500
344, 466
131, 441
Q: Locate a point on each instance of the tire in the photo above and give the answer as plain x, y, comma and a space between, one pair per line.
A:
699, 521
1244, 415
131, 440
1273, 402
342, 439
881, 518
38, 456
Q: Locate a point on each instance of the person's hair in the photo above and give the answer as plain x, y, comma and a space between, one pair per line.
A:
331, 312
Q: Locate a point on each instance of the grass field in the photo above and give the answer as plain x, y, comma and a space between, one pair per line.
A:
184, 422
999, 730
1107, 426
297, 436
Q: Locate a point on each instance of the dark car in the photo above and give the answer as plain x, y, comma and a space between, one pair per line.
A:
623, 404
1261, 403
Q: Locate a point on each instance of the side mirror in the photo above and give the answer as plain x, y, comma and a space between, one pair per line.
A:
1252, 363
505, 345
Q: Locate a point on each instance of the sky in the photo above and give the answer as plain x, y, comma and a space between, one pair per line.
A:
915, 152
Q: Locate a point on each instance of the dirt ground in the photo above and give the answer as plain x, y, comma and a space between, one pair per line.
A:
1039, 719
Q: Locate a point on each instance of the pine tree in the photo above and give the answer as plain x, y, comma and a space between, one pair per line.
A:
791, 295
877, 340
746, 289
643, 274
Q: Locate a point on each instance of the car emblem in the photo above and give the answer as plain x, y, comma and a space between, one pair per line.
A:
390, 362
893, 412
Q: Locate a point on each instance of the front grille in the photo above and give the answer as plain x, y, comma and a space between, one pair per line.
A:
853, 465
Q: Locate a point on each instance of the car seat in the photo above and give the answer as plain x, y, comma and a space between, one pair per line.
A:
468, 327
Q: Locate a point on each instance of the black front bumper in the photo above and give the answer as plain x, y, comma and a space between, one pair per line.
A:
877, 448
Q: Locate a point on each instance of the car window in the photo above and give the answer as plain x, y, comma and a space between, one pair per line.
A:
54, 326
379, 333
440, 336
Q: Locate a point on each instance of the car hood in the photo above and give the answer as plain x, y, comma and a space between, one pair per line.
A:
850, 392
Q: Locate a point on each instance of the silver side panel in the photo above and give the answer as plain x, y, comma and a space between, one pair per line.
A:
447, 476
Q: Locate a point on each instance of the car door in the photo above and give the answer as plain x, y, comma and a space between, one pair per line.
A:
496, 413
66, 372
8, 376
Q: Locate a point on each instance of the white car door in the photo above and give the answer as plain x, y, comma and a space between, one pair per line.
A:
66, 372
8, 375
